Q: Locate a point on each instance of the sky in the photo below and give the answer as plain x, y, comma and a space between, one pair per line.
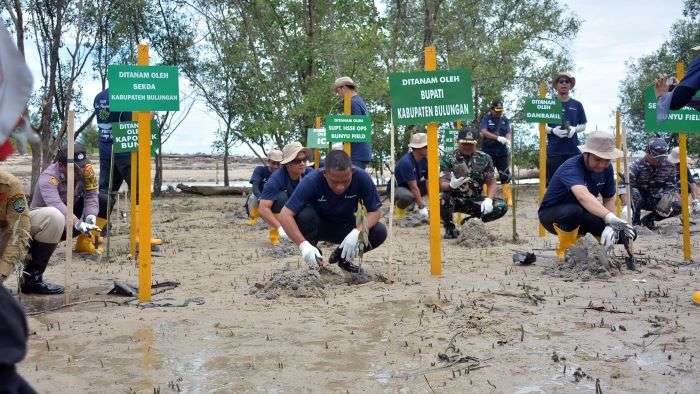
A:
612, 33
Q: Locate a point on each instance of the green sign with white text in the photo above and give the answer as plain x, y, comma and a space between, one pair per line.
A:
348, 128
125, 137
686, 119
316, 139
143, 88
542, 110
423, 97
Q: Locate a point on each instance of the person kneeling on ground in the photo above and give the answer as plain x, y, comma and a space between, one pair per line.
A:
464, 172
323, 208
411, 172
281, 185
675, 159
570, 207
258, 180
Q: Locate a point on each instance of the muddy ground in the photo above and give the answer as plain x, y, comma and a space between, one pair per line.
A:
485, 325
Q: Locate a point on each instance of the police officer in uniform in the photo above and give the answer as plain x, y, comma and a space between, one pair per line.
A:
496, 132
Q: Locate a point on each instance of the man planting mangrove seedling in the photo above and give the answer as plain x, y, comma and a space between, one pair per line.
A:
281, 185
570, 207
338, 204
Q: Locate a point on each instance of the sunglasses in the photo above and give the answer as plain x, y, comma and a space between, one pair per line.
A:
298, 161
563, 80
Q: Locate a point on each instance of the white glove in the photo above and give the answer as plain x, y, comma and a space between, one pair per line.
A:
310, 254
561, 133
486, 206
423, 212
620, 225
695, 206
503, 140
349, 245
91, 219
455, 182
609, 237
612, 219
282, 233
85, 227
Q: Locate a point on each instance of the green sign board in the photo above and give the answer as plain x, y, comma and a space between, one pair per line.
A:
316, 139
348, 128
543, 110
431, 97
143, 88
125, 137
686, 119
448, 138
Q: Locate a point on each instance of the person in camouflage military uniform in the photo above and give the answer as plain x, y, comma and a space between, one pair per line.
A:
654, 187
464, 172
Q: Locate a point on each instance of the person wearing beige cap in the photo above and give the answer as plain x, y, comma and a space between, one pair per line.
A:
258, 180
361, 152
562, 139
411, 173
570, 207
281, 185
675, 158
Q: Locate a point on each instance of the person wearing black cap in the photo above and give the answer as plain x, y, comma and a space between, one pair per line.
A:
49, 207
654, 186
562, 139
464, 173
496, 131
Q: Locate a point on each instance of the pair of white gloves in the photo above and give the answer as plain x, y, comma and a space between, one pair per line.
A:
611, 233
312, 256
561, 132
87, 225
456, 183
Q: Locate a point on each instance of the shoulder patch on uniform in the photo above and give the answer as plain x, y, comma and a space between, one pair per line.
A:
18, 203
54, 181
89, 177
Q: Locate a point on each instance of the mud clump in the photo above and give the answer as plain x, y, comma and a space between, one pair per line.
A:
413, 219
585, 260
473, 234
282, 250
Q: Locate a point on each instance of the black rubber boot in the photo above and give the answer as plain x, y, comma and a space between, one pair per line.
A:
32, 281
648, 220
451, 231
342, 263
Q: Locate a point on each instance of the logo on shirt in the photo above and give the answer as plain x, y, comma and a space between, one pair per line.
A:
351, 196
322, 199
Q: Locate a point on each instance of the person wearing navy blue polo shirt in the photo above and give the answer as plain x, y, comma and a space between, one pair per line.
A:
257, 182
570, 207
122, 161
673, 95
411, 173
281, 185
496, 132
323, 207
361, 152
562, 139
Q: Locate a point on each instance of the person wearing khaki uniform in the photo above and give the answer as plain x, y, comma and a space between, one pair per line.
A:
14, 224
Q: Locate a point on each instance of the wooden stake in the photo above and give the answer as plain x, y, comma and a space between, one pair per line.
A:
70, 175
628, 189
392, 181
618, 144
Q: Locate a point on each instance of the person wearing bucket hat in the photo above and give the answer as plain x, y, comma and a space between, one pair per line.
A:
693, 188
464, 172
281, 185
324, 207
496, 131
258, 180
674, 95
361, 152
653, 185
562, 139
411, 173
570, 207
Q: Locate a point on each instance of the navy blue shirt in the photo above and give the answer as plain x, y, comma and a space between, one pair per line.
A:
574, 114
573, 172
105, 118
335, 208
496, 125
408, 169
278, 182
259, 178
360, 151
692, 77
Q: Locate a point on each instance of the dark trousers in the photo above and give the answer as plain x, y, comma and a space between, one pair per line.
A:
569, 216
501, 164
121, 165
455, 202
279, 201
643, 200
554, 162
316, 229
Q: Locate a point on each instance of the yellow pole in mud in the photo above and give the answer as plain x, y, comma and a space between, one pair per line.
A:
133, 196
347, 110
543, 158
683, 148
317, 152
618, 144
144, 119
433, 178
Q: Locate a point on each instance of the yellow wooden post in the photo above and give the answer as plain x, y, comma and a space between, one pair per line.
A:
317, 152
144, 154
683, 148
133, 196
433, 178
543, 158
618, 144
347, 110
